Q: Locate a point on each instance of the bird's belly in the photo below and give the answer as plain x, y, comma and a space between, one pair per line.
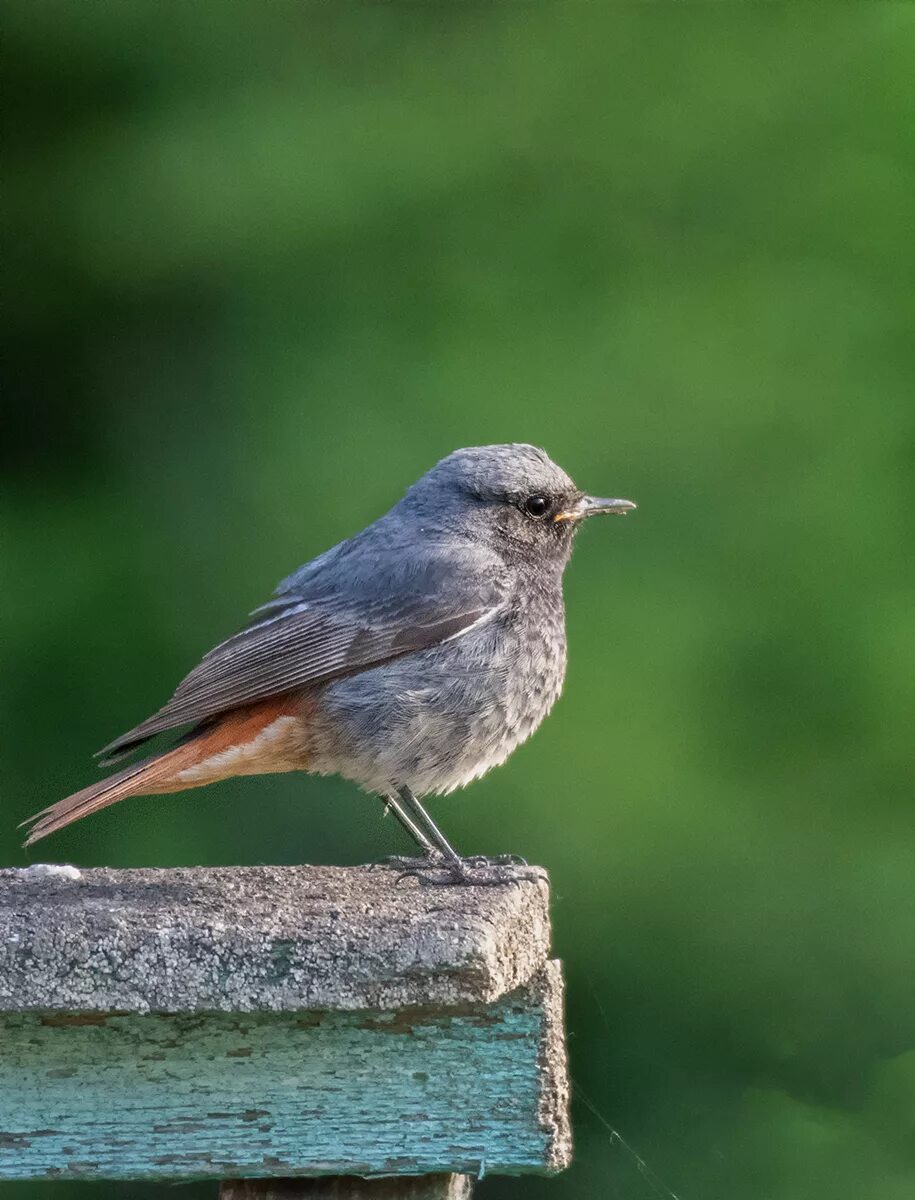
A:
437, 720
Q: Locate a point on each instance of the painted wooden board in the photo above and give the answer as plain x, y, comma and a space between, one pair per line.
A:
351, 1187
478, 1089
276, 1021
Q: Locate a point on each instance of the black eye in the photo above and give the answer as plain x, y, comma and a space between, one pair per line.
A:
536, 506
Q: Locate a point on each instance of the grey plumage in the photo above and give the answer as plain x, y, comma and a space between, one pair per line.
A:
425, 648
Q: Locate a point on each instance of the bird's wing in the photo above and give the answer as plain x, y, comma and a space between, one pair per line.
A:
297, 640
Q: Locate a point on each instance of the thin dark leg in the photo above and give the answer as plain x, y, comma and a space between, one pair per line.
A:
450, 867
393, 803
429, 827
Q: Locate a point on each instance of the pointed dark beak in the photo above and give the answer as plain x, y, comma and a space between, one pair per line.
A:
590, 506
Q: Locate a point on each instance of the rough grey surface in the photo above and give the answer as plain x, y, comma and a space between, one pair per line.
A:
548, 990
261, 939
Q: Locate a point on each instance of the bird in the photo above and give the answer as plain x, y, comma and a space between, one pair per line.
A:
410, 659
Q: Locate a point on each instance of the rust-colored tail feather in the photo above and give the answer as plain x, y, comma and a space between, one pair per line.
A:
163, 772
139, 779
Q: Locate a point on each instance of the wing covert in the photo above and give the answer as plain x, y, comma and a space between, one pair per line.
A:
296, 641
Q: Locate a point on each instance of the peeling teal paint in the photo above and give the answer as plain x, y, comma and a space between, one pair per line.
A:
190, 1096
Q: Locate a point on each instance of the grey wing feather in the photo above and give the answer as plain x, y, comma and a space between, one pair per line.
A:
295, 642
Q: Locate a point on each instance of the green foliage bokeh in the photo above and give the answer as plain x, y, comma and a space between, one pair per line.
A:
267, 263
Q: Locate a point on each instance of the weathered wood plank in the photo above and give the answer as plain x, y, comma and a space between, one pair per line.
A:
276, 1022
256, 939
476, 1089
350, 1187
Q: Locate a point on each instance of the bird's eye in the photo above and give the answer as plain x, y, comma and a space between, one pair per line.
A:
536, 506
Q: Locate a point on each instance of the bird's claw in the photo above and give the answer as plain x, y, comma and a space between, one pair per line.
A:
473, 872
496, 860
408, 863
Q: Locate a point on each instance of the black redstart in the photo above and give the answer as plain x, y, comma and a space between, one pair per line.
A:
411, 658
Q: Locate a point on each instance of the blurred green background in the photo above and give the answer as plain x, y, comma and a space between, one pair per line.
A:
268, 263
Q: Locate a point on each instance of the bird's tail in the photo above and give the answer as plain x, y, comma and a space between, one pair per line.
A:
231, 746
140, 779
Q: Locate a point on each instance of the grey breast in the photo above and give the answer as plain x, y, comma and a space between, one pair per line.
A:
438, 719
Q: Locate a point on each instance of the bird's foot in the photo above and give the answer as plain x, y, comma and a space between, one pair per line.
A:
410, 863
473, 872
495, 860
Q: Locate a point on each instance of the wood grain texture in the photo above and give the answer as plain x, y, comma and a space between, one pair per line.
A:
476, 1089
276, 1022
350, 1187
256, 939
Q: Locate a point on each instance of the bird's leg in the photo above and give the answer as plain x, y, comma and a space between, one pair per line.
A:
431, 831
429, 854
448, 866
393, 804
444, 846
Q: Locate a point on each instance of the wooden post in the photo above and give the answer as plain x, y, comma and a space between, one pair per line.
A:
293, 1031
350, 1187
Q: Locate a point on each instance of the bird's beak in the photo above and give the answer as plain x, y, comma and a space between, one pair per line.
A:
589, 506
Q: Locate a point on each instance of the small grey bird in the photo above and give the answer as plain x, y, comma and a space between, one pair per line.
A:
411, 659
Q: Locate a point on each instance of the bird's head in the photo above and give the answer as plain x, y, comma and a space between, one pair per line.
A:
512, 497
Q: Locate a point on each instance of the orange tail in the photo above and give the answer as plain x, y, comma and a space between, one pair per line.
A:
264, 738
141, 779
